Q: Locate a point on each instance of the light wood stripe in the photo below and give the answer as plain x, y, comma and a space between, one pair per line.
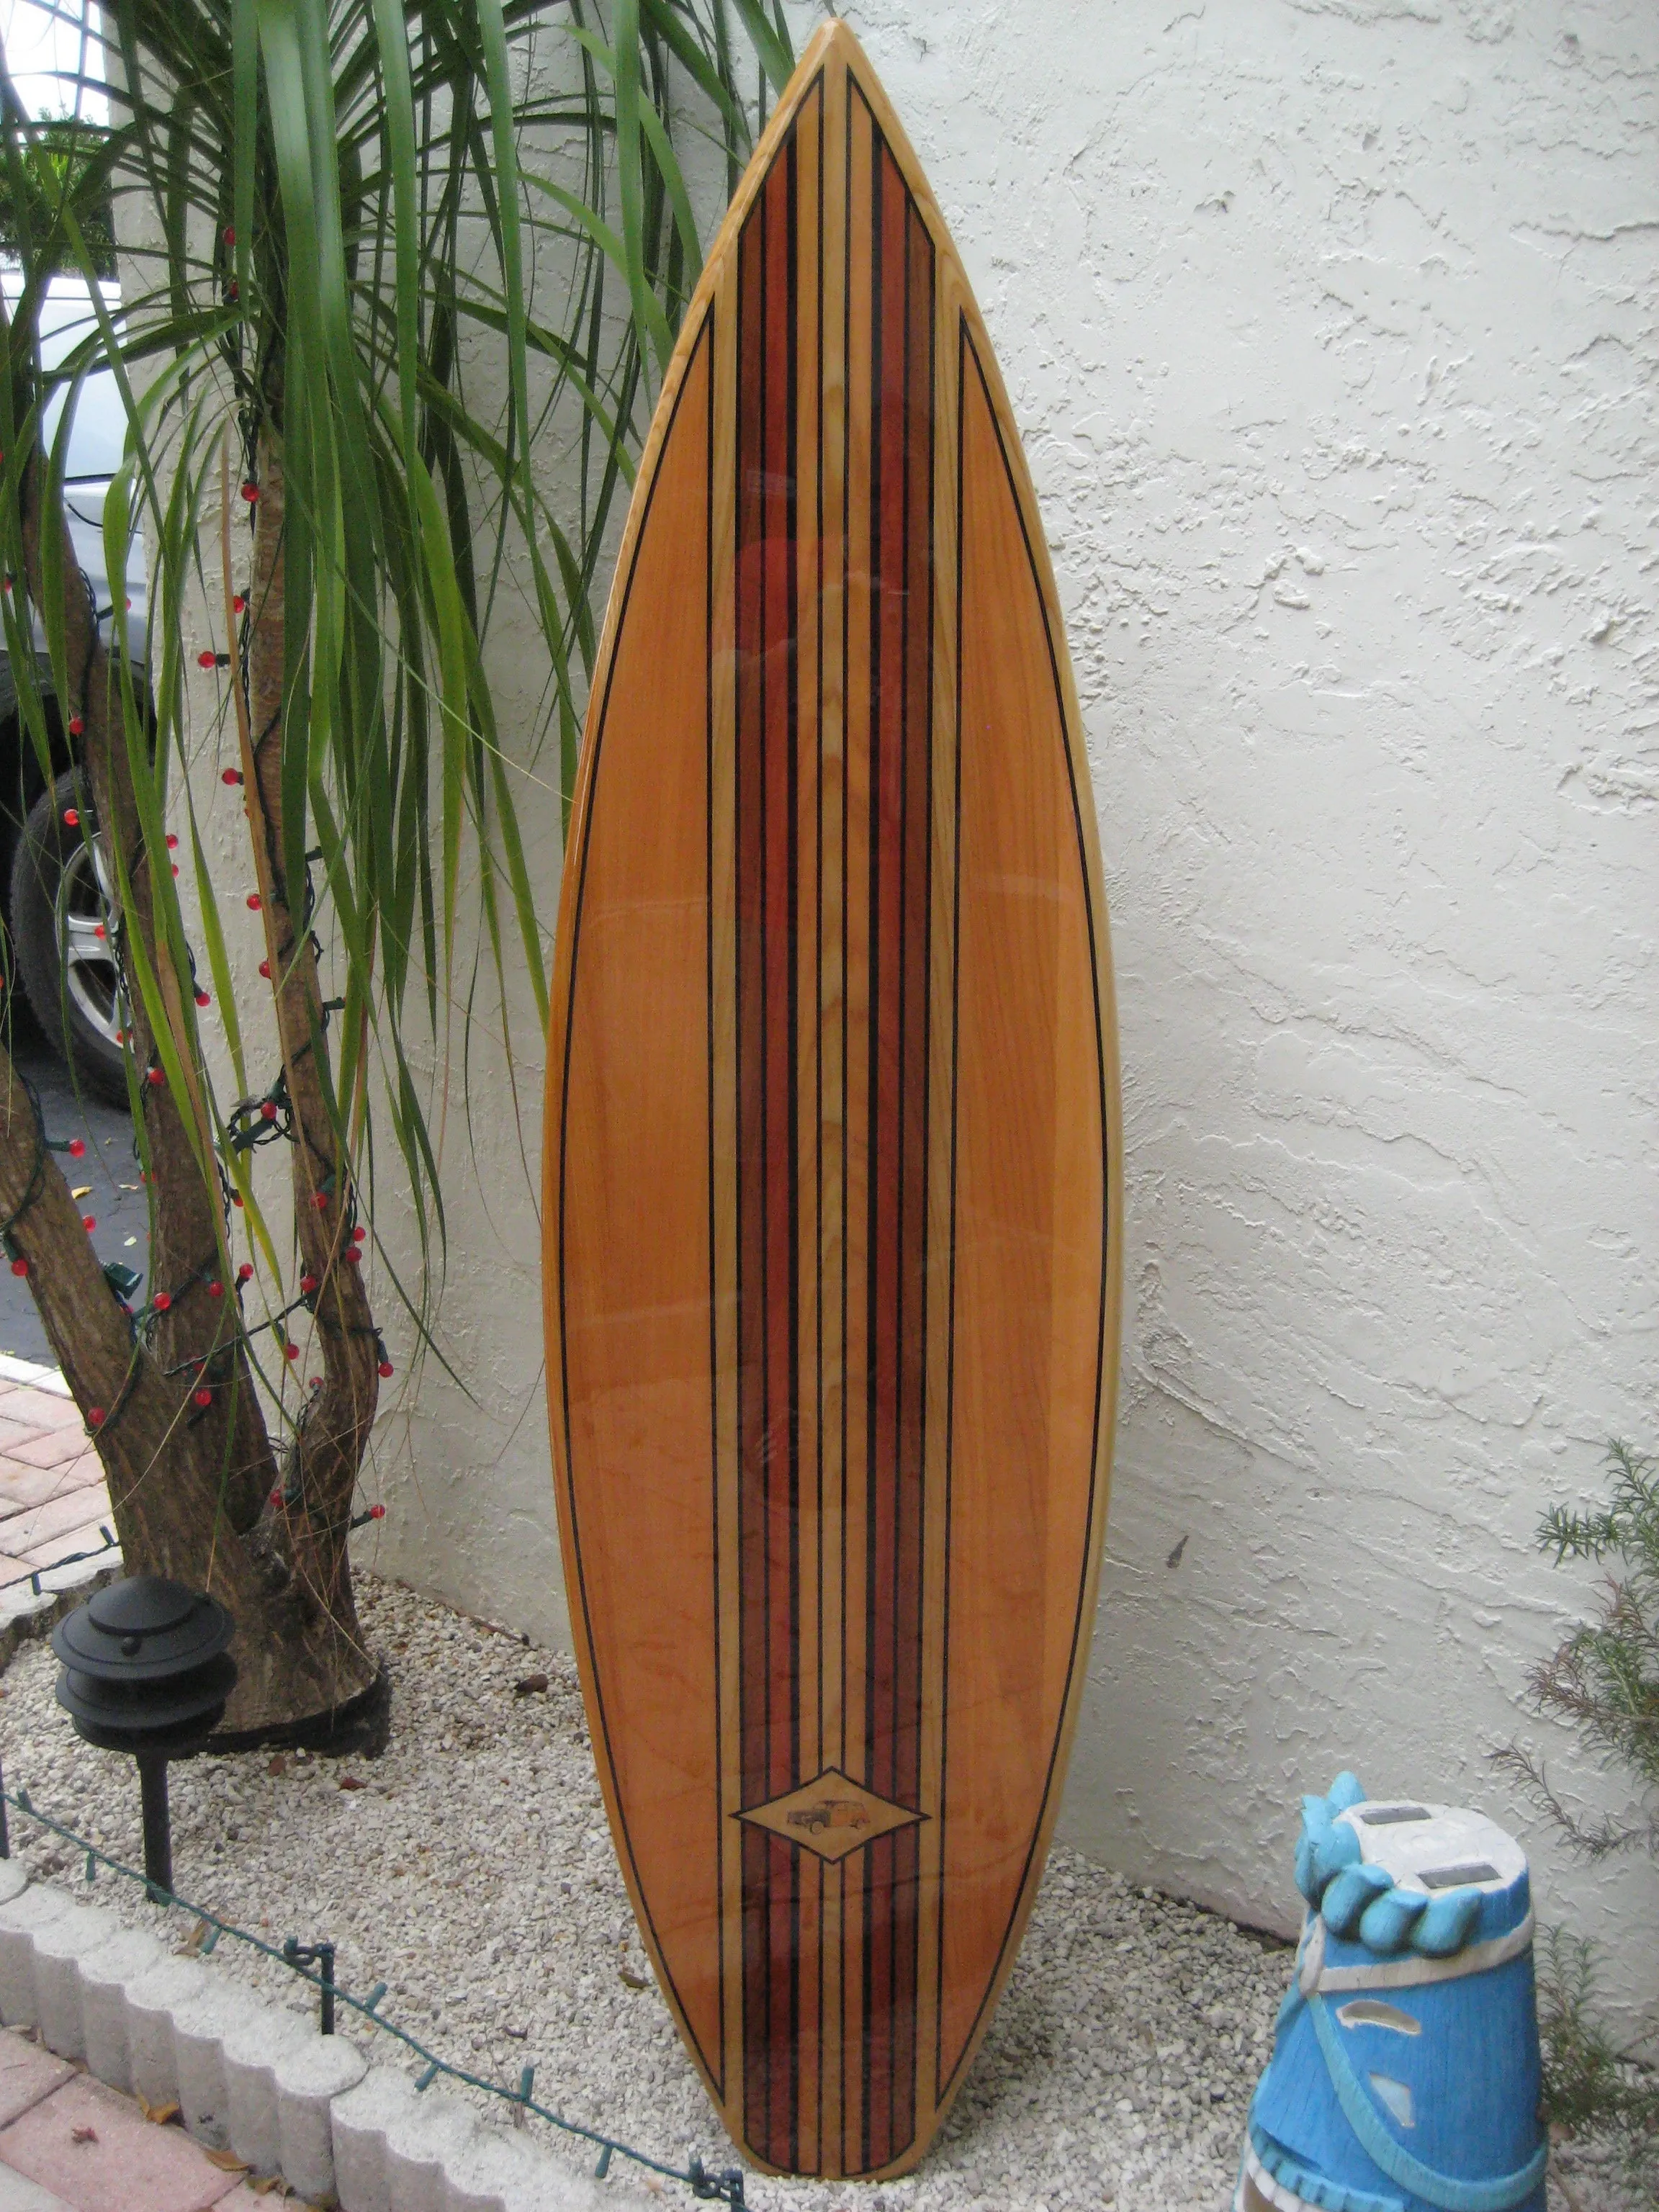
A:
940, 1149
856, 1205
857, 618
723, 973
808, 942
808, 145
833, 1043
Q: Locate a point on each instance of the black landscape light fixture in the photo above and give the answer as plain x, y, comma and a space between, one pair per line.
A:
147, 1669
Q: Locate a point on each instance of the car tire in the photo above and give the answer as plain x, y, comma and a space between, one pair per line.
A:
59, 897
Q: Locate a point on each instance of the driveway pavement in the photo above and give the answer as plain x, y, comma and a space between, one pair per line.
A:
105, 1179
53, 1505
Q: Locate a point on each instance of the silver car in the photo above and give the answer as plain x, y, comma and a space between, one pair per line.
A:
53, 876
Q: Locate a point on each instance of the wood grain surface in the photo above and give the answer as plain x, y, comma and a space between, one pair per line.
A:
832, 1218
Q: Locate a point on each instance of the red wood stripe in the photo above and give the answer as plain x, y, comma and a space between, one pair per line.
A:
750, 1019
901, 505
854, 918
783, 1151
777, 1161
806, 316
766, 1107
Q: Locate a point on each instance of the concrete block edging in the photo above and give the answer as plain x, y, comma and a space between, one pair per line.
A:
255, 2078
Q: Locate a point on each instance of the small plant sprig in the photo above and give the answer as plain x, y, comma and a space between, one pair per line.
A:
1590, 2083
1604, 1680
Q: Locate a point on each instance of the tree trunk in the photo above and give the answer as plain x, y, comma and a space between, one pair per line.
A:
194, 1485
334, 1428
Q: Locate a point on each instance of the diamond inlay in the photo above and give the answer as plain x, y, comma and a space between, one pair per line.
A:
832, 1815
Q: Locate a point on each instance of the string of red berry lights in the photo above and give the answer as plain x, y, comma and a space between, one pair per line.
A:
253, 1121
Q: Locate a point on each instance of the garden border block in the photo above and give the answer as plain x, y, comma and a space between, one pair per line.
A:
202, 2026
103, 1976
28, 1909
59, 1949
149, 2000
251, 2052
253, 2076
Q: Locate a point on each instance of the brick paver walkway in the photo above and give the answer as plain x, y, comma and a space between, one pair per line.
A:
52, 1499
67, 2144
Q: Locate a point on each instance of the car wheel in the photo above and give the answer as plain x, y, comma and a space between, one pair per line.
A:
61, 905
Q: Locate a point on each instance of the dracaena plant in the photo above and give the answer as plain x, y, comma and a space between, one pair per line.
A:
400, 282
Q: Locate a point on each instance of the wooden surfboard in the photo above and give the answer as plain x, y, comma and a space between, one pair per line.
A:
832, 1246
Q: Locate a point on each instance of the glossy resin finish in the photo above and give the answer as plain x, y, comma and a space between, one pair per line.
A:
832, 1236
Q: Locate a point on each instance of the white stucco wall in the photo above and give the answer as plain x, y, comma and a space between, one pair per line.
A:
1330, 324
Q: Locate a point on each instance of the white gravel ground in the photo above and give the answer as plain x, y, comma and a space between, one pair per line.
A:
470, 1870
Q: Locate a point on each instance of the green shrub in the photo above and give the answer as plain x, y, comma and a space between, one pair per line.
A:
1590, 2084
1604, 1680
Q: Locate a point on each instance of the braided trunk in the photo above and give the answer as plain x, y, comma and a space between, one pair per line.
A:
169, 1400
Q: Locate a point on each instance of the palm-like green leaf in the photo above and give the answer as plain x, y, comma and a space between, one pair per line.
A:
440, 251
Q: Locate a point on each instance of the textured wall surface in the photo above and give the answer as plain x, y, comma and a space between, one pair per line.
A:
1330, 324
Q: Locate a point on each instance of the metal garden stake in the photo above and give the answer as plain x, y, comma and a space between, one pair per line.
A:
146, 1669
